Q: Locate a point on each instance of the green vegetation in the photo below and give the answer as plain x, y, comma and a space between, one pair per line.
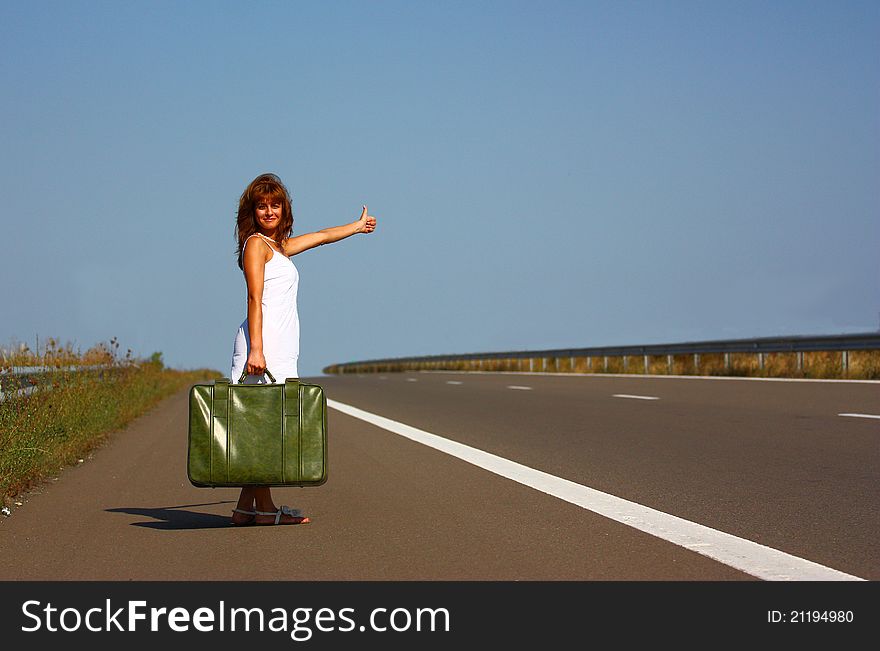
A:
53, 419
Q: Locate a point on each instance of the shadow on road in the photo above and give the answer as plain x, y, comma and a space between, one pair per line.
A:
172, 517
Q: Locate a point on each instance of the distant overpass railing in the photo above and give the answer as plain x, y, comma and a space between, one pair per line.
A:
855, 356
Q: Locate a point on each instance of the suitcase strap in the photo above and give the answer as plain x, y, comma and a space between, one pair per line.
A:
220, 425
292, 434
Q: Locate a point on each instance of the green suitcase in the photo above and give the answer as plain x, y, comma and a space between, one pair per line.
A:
257, 434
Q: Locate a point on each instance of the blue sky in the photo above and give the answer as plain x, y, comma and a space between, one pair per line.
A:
545, 175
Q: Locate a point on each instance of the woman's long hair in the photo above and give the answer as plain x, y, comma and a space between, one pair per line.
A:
266, 187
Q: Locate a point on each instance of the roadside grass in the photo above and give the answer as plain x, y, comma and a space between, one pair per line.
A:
67, 414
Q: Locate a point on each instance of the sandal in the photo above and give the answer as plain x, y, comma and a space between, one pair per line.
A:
245, 523
284, 510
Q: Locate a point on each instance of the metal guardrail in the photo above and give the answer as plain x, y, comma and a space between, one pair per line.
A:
760, 346
25, 379
22, 371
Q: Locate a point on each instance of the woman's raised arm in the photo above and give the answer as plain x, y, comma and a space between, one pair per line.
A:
294, 245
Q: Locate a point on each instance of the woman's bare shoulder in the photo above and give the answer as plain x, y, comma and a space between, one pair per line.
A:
259, 254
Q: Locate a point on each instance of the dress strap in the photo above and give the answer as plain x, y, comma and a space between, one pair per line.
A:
262, 237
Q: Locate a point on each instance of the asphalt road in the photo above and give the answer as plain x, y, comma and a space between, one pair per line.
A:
768, 462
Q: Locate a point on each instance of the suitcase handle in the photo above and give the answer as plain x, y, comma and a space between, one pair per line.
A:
244, 374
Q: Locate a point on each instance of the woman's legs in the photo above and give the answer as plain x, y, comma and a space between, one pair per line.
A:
259, 498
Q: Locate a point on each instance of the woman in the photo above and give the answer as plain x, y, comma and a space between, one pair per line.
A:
269, 336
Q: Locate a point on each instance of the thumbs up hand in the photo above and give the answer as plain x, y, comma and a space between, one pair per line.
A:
367, 223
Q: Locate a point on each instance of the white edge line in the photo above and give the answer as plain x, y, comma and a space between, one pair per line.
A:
750, 557
861, 415
674, 377
626, 395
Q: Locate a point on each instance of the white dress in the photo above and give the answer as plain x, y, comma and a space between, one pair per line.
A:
280, 322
